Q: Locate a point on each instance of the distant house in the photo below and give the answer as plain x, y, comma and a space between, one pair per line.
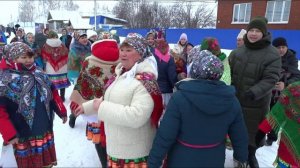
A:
107, 21
236, 14
59, 19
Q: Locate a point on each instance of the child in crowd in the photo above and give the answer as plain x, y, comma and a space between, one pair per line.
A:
27, 104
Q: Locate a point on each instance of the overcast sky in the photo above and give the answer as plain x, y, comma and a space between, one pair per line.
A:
9, 8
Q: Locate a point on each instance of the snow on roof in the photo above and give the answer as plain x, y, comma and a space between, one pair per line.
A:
111, 16
106, 14
74, 17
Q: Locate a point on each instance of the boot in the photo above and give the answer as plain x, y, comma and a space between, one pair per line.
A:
72, 120
252, 161
62, 94
101, 151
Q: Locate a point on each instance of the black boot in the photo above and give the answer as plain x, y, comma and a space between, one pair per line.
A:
62, 94
271, 137
101, 151
72, 120
252, 161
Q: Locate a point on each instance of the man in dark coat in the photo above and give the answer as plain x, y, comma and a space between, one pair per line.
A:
255, 69
289, 74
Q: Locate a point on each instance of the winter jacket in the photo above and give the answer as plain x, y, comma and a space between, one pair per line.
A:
197, 119
167, 76
66, 40
126, 111
77, 54
254, 71
290, 67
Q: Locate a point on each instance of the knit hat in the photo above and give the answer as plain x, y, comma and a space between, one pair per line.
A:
211, 44
91, 33
207, 66
241, 34
193, 54
260, 23
79, 33
15, 49
280, 41
52, 34
138, 42
106, 50
183, 36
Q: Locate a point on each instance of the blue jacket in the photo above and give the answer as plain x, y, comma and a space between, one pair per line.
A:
167, 76
193, 130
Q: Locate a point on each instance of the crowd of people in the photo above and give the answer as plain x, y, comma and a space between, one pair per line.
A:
149, 105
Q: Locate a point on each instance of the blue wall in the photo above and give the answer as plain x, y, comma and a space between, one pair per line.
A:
226, 37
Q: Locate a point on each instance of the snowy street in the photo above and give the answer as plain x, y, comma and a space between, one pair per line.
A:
74, 150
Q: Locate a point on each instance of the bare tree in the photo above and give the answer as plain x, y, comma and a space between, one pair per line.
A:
26, 11
70, 5
142, 14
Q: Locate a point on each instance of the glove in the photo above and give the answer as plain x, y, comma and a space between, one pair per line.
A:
249, 94
260, 139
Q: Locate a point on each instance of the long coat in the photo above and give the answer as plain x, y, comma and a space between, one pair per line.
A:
198, 117
256, 70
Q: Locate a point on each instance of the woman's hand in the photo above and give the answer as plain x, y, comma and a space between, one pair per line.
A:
14, 141
279, 86
96, 103
79, 110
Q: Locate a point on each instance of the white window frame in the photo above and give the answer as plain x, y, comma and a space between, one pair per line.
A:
281, 21
245, 12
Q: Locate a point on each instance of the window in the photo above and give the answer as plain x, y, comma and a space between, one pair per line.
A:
241, 13
278, 11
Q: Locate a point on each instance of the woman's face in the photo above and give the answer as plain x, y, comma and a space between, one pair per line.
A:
83, 40
254, 35
64, 32
150, 40
182, 41
128, 56
30, 38
25, 60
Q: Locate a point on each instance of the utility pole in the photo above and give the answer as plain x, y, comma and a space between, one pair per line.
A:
95, 15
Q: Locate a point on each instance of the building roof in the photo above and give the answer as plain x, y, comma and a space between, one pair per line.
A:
73, 17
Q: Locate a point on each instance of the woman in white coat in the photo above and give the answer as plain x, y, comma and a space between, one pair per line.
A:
131, 106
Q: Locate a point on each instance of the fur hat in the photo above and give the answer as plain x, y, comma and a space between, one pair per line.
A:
15, 49
260, 23
211, 44
183, 36
52, 34
91, 33
241, 34
138, 42
207, 66
106, 50
280, 41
